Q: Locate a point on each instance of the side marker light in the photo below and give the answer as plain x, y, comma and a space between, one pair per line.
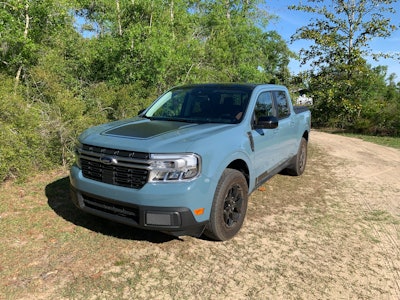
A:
199, 211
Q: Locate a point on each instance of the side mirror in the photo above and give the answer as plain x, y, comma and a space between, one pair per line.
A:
269, 122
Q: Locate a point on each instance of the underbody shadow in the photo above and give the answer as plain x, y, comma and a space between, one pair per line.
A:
58, 199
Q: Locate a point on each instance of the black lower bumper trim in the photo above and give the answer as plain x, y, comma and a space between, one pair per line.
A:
177, 221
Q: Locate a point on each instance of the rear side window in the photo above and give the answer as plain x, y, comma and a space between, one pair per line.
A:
282, 105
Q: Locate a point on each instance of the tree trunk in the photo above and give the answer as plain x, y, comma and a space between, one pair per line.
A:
151, 15
228, 9
26, 30
119, 18
171, 10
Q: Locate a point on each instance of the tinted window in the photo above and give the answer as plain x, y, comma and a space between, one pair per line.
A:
264, 106
203, 103
172, 106
282, 104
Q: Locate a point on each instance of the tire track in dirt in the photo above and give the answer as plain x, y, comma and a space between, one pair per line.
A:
370, 175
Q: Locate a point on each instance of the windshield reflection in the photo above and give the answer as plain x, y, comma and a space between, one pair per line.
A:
202, 104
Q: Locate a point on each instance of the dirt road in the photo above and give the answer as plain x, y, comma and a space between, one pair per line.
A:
367, 167
332, 233
369, 178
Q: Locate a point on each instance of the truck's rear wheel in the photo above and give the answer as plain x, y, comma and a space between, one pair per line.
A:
300, 160
229, 206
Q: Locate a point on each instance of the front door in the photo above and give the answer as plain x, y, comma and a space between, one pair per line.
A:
266, 141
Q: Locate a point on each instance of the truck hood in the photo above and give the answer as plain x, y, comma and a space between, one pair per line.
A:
146, 129
140, 134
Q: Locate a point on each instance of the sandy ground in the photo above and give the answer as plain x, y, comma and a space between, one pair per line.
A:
332, 233
369, 176
366, 166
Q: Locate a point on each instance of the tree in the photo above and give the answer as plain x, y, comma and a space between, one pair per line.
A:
24, 27
340, 37
44, 73
57, 80
163, 43
343, 31
236, 46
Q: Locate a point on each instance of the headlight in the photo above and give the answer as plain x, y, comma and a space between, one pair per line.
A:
174, 167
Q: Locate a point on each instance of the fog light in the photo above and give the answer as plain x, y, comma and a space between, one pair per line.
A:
163, 219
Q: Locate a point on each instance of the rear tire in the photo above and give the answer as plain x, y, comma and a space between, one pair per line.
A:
300, 160
229, 206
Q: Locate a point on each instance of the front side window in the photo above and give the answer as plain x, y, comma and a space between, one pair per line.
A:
264, 107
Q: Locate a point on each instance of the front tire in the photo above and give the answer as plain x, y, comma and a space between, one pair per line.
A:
229, 206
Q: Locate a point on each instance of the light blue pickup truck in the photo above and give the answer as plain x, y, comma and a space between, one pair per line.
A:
188, 163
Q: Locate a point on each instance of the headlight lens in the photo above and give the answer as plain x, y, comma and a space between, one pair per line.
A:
174, 167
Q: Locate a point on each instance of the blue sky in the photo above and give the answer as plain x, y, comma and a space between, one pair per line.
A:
289, 20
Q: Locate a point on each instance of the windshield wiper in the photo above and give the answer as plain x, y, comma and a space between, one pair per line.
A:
173, 119
189, 120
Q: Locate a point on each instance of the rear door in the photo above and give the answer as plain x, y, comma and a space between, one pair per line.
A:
286, 131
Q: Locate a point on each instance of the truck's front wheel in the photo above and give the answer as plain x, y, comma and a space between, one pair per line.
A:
229, 206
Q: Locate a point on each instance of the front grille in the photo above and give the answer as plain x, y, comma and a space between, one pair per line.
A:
122, 176
129, 169
111, 208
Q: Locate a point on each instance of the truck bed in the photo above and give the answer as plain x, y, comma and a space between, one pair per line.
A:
300, 109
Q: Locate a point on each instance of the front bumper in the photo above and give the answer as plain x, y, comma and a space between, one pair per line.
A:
140, 209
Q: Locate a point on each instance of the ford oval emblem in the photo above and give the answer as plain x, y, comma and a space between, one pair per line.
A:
108, 160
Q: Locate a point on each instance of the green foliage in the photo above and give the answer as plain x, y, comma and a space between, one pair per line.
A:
21, 147
57, 80
118, 102
162, 43
342, 33
25, 27
348, 93
365, 104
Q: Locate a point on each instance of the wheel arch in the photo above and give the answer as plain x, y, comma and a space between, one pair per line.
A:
306, 135
241, 166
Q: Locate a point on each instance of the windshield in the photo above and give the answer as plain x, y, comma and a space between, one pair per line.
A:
202, 104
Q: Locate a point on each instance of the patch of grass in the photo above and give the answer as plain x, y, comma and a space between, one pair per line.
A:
388, 141
369, 235
381, 216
